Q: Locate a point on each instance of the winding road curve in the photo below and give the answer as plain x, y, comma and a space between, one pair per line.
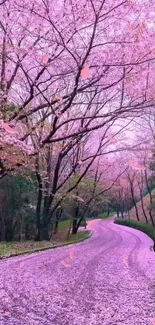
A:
111, 281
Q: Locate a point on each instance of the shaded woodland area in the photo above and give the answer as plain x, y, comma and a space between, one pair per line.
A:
19, 214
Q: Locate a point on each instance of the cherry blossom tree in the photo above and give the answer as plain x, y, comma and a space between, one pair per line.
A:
69, 72
75, 58
60, 167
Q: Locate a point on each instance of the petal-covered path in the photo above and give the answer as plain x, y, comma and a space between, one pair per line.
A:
111, 281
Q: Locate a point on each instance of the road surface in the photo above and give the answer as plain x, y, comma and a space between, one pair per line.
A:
111, 281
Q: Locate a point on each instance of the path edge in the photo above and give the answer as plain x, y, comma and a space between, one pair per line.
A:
47, 248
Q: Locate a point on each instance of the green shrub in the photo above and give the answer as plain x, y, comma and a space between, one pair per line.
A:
147, 229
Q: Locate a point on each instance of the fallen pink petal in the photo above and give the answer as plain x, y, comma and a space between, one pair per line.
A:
85, 73
21, 264
45, 59
61, 100
55, 86
125, 262
6, 313
8, 129
72, 253
136, 166
65, 264
113, 139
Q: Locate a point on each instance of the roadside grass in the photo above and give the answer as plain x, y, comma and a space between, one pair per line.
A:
64, 224
146, 228
79, 236
104, 215
8, 249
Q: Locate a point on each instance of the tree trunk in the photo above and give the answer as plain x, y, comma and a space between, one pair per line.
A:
122, 215
137, 215
38, 208
134, 202
38, 214
142, 203
45, 234
2, 230
27, 232
74, 229
9, 233
46, 221
144, 211
58, 217
150, 210
128, 214
150, 195
56, 227
69, 230
79, 222
20, 229
45, 231
154, 245
117, 212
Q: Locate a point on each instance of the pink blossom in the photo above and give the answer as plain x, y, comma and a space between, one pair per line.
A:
85, 72
8, 128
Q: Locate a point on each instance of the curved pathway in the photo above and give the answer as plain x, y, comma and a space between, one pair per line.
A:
111, 281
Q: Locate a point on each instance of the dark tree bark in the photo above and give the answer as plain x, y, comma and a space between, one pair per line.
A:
74, 228
56, 226
39, 202
141, 196
45, 230
118, 211
38, 215
58, 217
2, 216
75, 220
79, 222
150, 195
154, 245
2, 229
70, 225
9, 233
143, 209
134, 202
122, 214
133, 197
27, 232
